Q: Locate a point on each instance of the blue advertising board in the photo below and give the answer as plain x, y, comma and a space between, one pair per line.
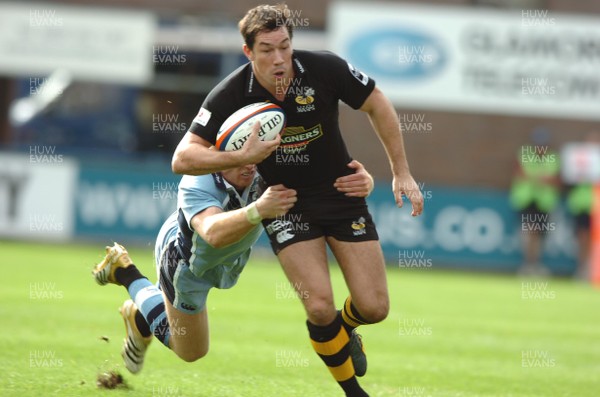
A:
466, 228
124, 202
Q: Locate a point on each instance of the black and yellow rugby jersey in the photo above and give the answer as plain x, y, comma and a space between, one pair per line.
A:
312, 150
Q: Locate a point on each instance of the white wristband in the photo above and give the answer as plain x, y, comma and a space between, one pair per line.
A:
252, 214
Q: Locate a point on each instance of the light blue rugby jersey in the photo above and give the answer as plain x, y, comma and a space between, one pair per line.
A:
219, 266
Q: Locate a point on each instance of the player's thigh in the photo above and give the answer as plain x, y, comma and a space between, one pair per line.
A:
363, 266
189, 335
305, 265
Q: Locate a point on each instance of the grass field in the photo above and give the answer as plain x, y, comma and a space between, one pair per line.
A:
448, 334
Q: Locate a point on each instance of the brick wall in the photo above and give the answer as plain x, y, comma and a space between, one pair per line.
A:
461, 149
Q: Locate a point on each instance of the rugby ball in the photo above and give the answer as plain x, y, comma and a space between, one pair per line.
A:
237, 128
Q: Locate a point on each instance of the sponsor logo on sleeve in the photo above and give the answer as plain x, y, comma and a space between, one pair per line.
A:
358, 75
203, 117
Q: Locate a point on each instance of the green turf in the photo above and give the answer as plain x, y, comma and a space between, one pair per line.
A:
448, 334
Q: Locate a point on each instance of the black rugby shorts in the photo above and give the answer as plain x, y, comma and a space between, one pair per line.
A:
322, 211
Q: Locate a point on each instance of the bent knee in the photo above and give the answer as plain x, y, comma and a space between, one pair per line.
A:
376, 312
320, 311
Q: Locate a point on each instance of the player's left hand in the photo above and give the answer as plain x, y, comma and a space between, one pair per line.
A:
359, 184
406, 185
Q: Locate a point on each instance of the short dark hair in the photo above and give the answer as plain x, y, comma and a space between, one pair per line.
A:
264, 18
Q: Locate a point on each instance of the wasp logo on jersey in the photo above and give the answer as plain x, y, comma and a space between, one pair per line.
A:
359, 227
307, 97
296, 139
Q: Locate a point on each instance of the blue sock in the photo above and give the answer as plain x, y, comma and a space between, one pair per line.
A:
149, 300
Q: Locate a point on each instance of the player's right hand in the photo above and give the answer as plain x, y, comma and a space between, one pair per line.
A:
276, 201
254, 150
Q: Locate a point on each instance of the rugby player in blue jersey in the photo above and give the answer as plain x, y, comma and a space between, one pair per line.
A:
204, 244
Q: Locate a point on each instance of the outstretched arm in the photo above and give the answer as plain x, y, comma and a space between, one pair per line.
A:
385, 123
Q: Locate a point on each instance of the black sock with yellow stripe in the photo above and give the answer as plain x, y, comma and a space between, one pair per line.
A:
351, 318
331, 344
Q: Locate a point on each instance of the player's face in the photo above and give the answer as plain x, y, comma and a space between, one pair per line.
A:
240, 177
271, 58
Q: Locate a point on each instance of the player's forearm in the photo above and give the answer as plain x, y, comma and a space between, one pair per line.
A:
195, 159
226, 228
384, 120
198, 160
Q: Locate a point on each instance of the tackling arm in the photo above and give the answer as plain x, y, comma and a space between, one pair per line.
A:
220, 229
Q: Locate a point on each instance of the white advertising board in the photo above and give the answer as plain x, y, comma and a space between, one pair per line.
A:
96, 44
37, 194
525, 62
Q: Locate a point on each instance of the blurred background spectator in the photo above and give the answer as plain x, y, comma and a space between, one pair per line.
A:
580, 172
535, 195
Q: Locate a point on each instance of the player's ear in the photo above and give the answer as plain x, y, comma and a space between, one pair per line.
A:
248, 52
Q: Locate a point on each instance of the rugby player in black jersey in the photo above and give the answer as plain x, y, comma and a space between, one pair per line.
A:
310, 157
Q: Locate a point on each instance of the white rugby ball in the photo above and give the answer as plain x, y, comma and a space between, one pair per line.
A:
237, 128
